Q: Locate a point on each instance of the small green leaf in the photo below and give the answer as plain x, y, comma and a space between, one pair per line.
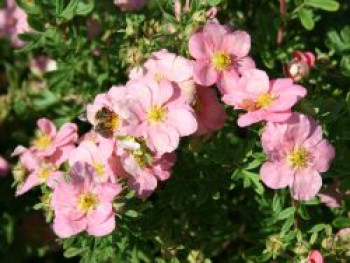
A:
214, 2
287, 225
131, 213
327, 5
341, 222
306, 18
286, 213
72, 252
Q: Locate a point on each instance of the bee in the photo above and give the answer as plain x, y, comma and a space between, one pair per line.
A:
107, 122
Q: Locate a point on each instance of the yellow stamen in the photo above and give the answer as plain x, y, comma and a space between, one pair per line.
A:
44, 173
264, 100
157, 114
99, 169
158, 77
87, 202
221, 61
42, 142
298, 158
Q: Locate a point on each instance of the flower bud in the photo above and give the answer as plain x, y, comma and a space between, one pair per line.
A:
4, 166
300, 65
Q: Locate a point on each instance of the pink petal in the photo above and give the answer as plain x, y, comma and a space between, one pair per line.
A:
228, 81
323, 154
198, 47
102, 229
307, 183
250, 118
237, 43
257, 81
204, 73
183, 121
65, 228
102, 213
144, 185
245, 64
67, 134
214, 35
315, 257
276, 175
28, 184
108, 191
47, 127
162, 139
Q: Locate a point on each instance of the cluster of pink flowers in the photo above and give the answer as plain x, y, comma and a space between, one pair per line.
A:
137, 127
13, 22
293, 142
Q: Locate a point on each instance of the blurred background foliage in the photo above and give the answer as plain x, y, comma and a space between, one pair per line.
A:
214, 208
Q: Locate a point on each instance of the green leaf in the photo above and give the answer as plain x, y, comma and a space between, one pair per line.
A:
286, 213
287, 225
327, 5
214, 2
72, 252
131, 213
341, 222
306, 18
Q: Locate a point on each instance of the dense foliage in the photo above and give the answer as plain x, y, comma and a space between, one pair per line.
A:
217, 205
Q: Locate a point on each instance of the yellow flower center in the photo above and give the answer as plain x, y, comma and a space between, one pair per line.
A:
157, 114
44, 173
87, 202
264, 100
99, 169
140, 160
20, 174
221, 60
158, 77
298, 158
42, 142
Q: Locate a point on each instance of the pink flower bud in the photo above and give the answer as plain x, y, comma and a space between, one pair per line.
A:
315, 257
4, 167
300, 65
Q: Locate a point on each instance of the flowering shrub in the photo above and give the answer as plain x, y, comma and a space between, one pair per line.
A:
175, 130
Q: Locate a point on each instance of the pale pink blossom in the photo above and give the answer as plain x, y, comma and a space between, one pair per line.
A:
164, 65
4, 166
344, 232
39, 170
101, 157
315, 256
143, 177
13, 22
297, 154
80, 204
160, 115
263, 100
49, 142
210, 113
221, 56
130, 5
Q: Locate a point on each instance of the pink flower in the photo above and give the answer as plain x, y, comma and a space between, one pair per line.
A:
107, 113
315, 257
221, 56
130, 5
4, 166
42, 64
159, 115
163, 65
210, 113
82, 205
13, 22
296, 153
263, 100
300, 65
344, 232
101, 157
143, 176
50, 142
38, 170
